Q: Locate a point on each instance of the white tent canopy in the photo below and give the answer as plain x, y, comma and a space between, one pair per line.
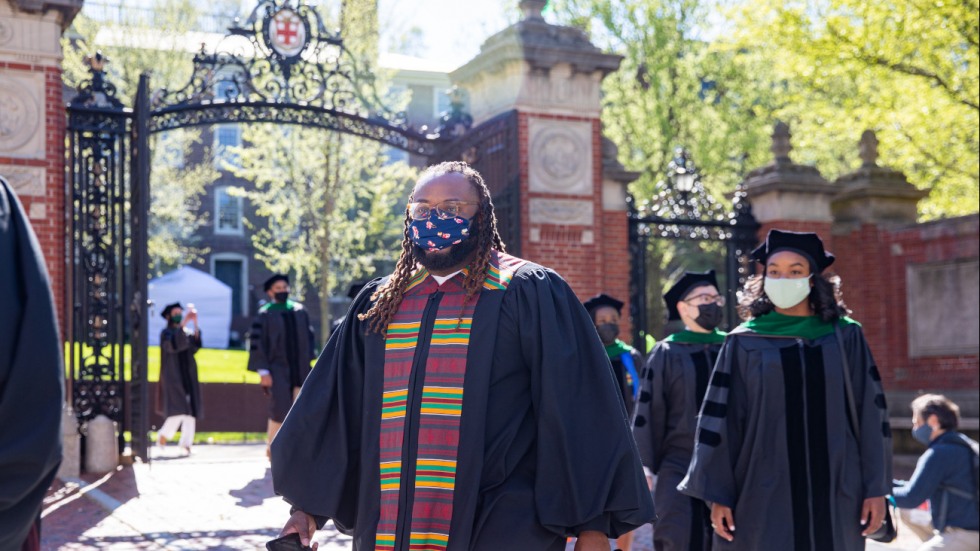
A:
210, 297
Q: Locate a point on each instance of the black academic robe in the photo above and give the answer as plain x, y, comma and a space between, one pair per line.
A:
31, 375
774, 442
673, 385
281, 342
179, 392
545, 449
625, 379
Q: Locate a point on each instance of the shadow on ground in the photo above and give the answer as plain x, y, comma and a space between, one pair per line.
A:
255, 492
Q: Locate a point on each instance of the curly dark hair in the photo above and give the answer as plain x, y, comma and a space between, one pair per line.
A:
826, 299
388, 297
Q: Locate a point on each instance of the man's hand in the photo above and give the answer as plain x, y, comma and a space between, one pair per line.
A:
591, 540
302, 524
266, 380
723, 521
874, 507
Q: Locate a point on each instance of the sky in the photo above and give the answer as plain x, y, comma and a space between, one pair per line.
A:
452, 30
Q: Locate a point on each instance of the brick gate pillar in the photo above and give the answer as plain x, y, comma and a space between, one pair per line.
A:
872, 203
32, 120
572, 201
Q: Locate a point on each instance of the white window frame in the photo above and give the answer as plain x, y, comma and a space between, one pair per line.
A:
224, 159
218, 230
244, 283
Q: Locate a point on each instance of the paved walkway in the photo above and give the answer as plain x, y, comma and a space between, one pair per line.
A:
218, 498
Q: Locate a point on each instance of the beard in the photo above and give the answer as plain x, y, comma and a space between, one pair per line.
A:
454, 256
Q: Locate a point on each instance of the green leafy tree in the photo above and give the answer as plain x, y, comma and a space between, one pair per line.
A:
673, 89
329, 206
142, 40
908, 69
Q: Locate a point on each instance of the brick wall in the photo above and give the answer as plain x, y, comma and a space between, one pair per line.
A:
46, 212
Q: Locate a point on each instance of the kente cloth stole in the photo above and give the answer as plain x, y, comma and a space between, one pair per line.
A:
441, 405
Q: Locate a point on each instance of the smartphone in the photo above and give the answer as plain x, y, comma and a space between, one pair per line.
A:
289, 542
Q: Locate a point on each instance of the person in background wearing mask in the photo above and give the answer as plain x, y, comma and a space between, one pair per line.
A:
626, 360
944, 475
281, 347
776, 453
179, 393
673, 384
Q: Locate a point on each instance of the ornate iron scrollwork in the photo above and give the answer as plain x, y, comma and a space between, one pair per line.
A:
97, 126
689, 211
283, 66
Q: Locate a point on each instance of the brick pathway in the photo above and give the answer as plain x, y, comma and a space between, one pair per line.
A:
219, 498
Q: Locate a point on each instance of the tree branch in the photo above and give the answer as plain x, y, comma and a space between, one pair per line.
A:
905, 68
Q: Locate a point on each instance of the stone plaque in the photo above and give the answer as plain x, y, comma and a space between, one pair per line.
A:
560, 156
562, 212
944, 308
20, 115
25, 180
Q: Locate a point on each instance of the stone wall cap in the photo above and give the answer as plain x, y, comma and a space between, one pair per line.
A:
541, 45
886, 191
68, 8
780, 176
965, 225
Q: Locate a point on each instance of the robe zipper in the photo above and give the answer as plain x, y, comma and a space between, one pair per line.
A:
806, 441
416, 381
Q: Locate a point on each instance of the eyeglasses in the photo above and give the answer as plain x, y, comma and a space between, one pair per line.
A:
706, 299
444, 210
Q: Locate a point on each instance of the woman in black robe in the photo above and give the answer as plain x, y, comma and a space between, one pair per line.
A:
179, 392
775, 452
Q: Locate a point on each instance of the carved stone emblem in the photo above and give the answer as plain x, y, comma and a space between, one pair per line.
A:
19, 114
6, 32
287, 33
561, 157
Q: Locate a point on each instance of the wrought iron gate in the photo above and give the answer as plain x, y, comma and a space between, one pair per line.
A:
686, 211
493, 150
280, 66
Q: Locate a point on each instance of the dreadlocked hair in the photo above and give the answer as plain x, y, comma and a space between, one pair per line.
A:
388, 297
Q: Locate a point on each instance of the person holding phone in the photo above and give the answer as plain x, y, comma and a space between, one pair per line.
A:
179, 392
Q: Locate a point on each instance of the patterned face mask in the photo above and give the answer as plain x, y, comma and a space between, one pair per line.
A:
436, 234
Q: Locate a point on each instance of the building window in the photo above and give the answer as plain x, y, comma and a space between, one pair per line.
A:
232, 270
442, 101
226, 137
228, 212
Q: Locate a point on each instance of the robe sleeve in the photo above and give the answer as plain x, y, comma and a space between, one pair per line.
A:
588, 475
257, 360
31, 376
711, 474
876, 439
316, 454
650, 426
197, 341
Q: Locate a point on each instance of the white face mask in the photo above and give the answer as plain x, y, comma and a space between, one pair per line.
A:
787, 293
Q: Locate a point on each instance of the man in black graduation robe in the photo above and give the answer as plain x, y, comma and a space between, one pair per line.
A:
31, 377
544, 449
673, 386
775, 448
281, 348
